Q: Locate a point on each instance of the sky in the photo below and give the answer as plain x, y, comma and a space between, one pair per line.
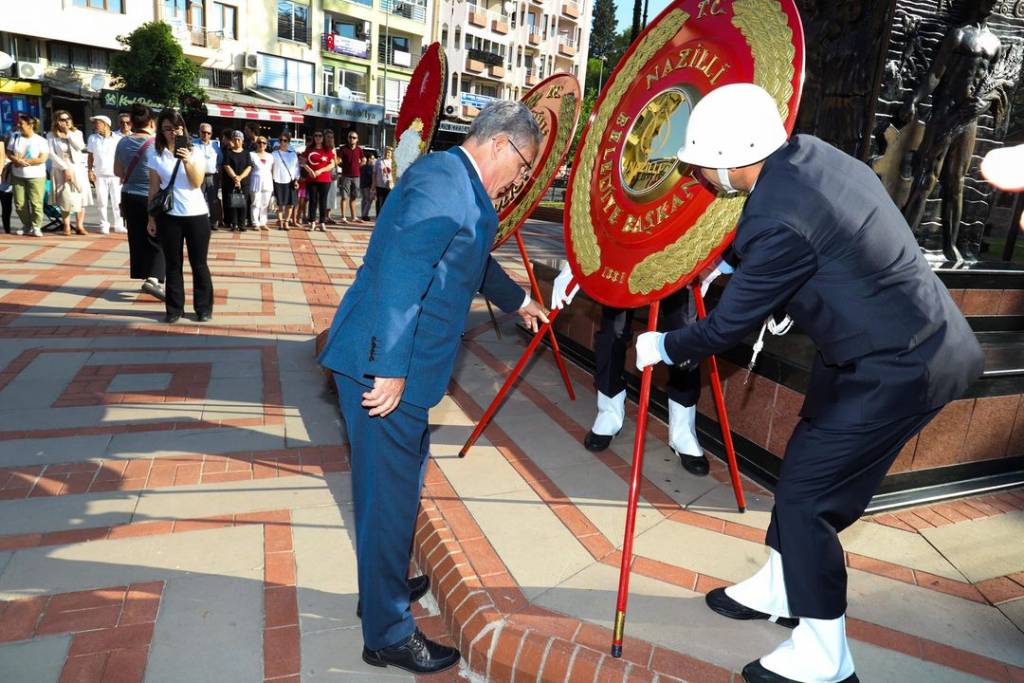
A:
624, 12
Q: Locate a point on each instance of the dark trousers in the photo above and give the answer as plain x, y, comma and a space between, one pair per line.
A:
174, 231
829, 474
382, 195
145, 254
233, 217
389, 459
6, 204
317, 200
612, 340
210, 187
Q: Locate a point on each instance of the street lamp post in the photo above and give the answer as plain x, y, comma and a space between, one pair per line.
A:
390, 6
600, 74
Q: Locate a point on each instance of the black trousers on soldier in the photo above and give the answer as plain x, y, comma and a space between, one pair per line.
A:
613, 338
829, 474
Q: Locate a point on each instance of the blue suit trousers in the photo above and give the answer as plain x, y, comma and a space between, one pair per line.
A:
389, 460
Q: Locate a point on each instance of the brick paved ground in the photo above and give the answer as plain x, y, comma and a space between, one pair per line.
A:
175, 504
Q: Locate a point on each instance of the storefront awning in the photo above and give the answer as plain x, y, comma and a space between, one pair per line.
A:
236, 111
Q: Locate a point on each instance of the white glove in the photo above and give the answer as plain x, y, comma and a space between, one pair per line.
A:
648, 349
559, 297
721, 268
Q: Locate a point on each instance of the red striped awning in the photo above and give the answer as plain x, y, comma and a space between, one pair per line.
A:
232, 111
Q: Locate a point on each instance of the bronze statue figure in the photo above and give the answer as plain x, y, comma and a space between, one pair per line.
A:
963, 84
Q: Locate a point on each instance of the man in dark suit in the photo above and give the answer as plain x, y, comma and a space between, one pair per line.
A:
820, 238
392, 346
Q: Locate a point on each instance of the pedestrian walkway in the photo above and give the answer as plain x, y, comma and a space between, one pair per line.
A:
175, 503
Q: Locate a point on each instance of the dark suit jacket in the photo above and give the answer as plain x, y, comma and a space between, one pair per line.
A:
430, 252
820, 237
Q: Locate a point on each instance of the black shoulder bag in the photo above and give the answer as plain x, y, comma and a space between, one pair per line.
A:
163, 201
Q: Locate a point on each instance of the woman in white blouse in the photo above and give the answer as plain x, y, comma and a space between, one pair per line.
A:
69, 171
188, 220
262, 183
286, 180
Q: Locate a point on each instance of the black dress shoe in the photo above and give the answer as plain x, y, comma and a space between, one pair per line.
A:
697, 465
418, 587
721, 603
172, 317
203, 317
417, 655
756, 673
597, 442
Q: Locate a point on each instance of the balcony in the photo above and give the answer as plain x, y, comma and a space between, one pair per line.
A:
474, 65
570, 9
566, 45
499, 24
477, 16
399, 58
211, 39
402, 8
532, 79
533, 35
469, 112
336, 44
497, 71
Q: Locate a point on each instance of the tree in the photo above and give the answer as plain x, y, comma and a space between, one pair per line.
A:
602, 33
154, 65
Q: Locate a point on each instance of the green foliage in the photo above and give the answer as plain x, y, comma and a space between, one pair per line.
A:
589, 98
602, 33
153, 64
598, 76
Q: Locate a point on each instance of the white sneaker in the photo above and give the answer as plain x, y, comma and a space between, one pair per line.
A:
121, 231
104, 231
19, 231
36, 232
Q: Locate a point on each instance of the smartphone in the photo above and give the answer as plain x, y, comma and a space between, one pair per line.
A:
181, 141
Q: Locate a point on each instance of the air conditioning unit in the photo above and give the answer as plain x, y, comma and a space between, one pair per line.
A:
251, 61
30, 71
450, 109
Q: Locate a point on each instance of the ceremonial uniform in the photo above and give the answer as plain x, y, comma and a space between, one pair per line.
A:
403, 317
820, 238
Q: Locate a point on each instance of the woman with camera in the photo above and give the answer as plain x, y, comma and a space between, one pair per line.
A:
178, 214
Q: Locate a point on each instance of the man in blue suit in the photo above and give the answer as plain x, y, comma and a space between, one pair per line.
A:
819, 237
392, 346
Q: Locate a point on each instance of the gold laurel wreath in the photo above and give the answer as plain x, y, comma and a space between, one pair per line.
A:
567, 114
766, 28
581, 231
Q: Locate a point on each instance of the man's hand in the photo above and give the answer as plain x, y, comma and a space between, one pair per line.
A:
648, 351
385, 395
531, 313
559, 296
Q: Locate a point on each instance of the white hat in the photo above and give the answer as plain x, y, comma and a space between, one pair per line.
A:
1004, 168
100, 117
733, 126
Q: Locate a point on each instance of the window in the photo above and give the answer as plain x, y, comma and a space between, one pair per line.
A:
395, 91
224, 19
114, 6
285, 74
352, 84
487, 90
292, 21
221, 78
26, 49
67, 56
444, 35
175, 9
329, 80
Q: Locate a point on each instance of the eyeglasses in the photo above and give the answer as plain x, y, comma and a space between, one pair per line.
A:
527, 168
206, 132
63, 119
261, 142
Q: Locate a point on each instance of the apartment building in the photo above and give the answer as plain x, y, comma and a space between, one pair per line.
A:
499, 49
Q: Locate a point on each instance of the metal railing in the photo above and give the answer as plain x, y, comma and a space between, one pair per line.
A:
393, 57
403, 8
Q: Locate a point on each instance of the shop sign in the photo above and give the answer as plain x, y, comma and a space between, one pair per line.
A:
119, 99
348, 46
470, 99
338, 108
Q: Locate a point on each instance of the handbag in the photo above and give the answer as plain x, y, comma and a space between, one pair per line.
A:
163, 201
237, 199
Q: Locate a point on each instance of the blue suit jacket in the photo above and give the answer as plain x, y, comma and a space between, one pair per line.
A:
429, 254
820, 237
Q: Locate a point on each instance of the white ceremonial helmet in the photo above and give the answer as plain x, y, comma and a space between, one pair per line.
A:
733, 126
